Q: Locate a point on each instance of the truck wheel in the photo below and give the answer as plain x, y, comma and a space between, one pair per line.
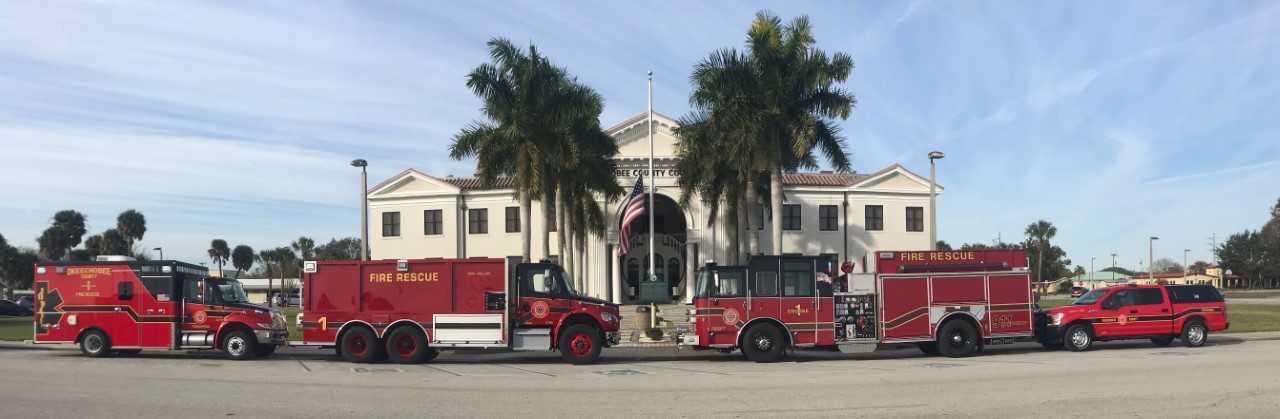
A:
239, 345
1194, 334
1162, 341
95, 344
958, 339
406, 345
360, 345
1078, 338
763, 343
929, 348
580, 344
264, 350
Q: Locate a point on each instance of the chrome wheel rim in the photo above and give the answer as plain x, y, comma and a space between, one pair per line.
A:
93, 344
1079, 338
763, 342
236, 346
1195, 334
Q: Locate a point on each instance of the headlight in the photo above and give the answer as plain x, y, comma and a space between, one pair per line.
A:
1055, 319
608, 317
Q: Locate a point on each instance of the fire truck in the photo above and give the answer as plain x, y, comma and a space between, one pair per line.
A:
406, 311
118, 305
948, 302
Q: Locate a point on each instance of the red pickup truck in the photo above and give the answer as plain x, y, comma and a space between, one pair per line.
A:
1161, 313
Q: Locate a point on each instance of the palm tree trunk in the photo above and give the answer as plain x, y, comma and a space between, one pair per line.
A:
775, 204
744, 225
735, 233
560, 208
581, 265
526, 226
547, 220
753, 237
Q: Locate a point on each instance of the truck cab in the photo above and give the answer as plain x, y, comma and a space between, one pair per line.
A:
123, 306
1160, 313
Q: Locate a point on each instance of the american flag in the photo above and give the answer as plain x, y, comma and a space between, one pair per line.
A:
633, 209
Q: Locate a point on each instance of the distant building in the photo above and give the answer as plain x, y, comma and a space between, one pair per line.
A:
1099, 280
418, 215
256, 288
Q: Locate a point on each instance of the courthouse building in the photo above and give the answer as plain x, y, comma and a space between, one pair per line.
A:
418, 215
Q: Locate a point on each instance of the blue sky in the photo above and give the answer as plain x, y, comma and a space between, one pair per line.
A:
1114, 120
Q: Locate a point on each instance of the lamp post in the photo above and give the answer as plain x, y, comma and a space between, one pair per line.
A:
364, 206
933, 199
161, 250
1185, 268
1091, 259
1151, 264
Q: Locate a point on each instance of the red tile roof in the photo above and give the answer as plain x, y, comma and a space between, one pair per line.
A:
472, 183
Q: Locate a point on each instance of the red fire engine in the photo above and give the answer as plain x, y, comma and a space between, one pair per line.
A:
409, 310
949, 302
119, 305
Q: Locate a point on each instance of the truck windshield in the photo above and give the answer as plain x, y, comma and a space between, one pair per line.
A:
567, 283
225, 291
701, 286
1090, 297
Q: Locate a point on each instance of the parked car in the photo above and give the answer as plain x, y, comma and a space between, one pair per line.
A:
10, 308
26, 302
1076, 292
1161, 313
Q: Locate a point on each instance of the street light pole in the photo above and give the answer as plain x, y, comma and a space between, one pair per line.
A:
1091, 259
933, 199
1113, 267
161, 250
1185, 268
1151, 262
364, 206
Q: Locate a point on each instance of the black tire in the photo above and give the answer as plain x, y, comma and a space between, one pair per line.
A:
929, 348
127, 351
360, 345
95, 344
239, 345
764, 343
264, 350
1078, 338
958, 339
1053, 346
406, 345
1195, 334
580, 344
1162, 341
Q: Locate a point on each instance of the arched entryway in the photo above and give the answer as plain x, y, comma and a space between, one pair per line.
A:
670, 231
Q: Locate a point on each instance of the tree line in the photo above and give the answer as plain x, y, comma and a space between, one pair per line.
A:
1254, 255
1047, 262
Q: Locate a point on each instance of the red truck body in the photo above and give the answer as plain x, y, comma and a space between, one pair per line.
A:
408, 310
127, 306
1157, 312
961, 298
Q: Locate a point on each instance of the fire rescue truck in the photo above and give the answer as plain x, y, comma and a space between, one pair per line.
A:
118, 305
408, 310
948, 302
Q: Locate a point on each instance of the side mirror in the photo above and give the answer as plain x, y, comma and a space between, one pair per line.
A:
124, 290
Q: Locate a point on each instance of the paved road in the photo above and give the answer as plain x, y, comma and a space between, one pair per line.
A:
1230, 378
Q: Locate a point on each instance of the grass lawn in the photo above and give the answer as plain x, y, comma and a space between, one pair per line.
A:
15, 328
290, 316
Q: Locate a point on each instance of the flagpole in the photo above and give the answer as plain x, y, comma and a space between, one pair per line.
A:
653, 183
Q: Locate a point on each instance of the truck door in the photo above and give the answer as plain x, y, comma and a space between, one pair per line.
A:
799, 307
156, 309
1152, 312
542, 295
1116, 314
764, 298
723, 313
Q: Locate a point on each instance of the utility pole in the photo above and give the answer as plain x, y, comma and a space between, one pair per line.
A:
1151, 263
1113, 267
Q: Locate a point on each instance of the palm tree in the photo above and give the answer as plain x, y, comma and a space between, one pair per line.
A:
728, 177
782, 93
242, 259
530, 106
132, 225
219, 253
72, 224
305, 247
1040, 232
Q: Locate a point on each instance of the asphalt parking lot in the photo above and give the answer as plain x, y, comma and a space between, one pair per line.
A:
1232, 377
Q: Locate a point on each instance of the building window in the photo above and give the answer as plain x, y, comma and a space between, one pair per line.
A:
915, 219
391, 224
791, 217
875, 217
433, 222
828, 218
478, 221
513, 219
